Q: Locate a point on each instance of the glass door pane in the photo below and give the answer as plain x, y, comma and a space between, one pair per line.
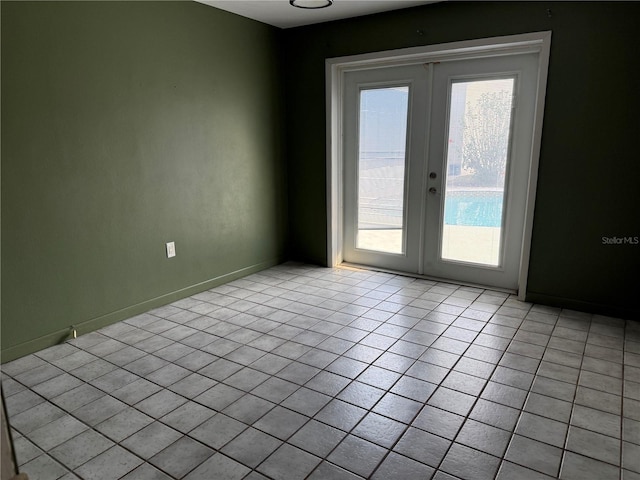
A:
480, 114
381, 169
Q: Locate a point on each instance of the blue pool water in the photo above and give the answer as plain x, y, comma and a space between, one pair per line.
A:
473, 208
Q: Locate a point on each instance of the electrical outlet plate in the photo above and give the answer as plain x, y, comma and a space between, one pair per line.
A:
171, 249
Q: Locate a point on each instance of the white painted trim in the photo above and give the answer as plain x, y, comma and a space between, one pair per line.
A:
335, 69
334, 88
444, 52
543, 70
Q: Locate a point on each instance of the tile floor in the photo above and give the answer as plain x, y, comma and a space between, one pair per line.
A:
305, 372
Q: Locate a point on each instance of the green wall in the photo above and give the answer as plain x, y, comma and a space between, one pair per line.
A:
126, 125
589, 165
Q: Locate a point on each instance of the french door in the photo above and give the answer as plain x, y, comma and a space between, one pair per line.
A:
436, 163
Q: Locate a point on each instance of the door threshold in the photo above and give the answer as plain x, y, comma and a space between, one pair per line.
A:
356, 266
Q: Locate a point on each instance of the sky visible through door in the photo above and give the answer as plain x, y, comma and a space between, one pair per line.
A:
381, 168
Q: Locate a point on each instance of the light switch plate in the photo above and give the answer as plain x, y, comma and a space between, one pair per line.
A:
171, 249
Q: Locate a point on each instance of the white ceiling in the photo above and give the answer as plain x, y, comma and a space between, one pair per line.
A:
280, 13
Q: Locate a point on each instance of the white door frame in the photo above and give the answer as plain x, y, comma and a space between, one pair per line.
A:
335, 69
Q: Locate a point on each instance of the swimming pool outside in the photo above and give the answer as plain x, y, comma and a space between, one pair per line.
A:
471, 231
468, 207
473, 208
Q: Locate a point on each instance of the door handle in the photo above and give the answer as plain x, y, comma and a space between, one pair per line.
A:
433, 190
